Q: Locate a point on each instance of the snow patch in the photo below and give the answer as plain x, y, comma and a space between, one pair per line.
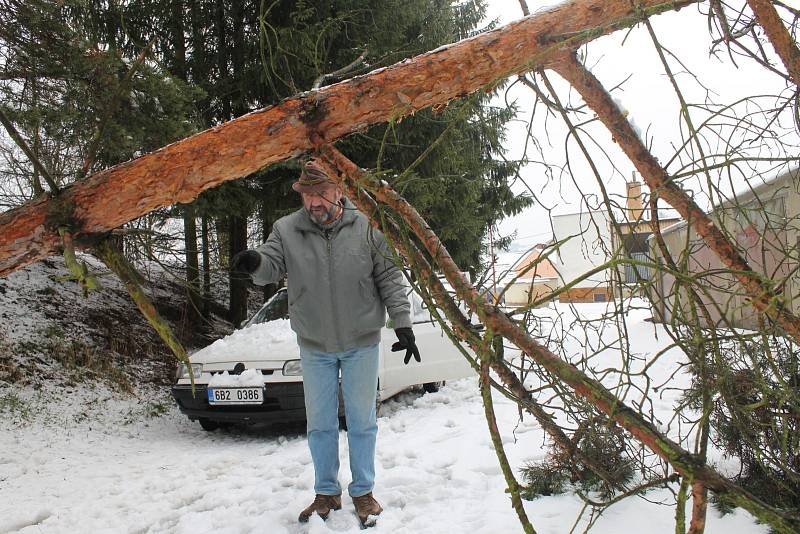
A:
276, 337
248, 378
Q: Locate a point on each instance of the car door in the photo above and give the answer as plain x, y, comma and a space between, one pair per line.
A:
441, 359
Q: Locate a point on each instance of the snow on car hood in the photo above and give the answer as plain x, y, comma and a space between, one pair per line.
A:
248, 378
274, 340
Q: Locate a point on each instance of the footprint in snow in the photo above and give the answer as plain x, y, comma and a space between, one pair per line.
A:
292, 470
37, 518
269, 450
397, 426
489, 469
444, 463
343, 520
390, 462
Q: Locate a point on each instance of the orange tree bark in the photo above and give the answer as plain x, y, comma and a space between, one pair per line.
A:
779, 36
179, 172
686, 463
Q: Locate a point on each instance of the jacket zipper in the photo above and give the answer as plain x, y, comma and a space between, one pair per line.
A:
331, 284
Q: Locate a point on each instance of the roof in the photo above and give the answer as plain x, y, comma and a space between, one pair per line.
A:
746, 194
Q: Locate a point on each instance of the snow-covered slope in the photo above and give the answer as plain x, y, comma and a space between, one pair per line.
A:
50, 332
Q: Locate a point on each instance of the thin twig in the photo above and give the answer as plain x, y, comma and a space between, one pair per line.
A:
357, 62
12, 131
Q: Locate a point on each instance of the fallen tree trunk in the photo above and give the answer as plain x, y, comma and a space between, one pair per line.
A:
181, 171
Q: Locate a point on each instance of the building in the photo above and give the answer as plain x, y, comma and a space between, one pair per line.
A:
583, 243
765, 223
635, 228
529, 278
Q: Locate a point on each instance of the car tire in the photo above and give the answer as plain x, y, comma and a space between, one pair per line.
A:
208, 425
432, 387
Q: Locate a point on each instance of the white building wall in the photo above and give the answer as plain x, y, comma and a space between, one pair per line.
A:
588, 247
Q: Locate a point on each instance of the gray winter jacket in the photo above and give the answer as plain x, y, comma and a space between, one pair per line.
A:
339, 286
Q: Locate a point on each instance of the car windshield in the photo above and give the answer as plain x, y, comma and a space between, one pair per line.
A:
276, 308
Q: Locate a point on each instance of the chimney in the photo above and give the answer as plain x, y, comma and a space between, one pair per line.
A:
634, 199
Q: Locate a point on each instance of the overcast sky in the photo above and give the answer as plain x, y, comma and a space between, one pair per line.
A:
646, 94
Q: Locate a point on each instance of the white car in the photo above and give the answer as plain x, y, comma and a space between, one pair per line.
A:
254, 375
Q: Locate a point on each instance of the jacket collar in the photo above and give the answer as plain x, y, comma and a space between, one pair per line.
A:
349, 214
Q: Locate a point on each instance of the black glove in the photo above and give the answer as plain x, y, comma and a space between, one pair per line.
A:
245, 262
405, 341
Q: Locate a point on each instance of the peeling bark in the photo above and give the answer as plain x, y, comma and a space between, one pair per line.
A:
779, 36
179, 172
699, 504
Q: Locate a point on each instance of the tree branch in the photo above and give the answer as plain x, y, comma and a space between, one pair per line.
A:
12, 131
349, 176
764, 297
178, 173
583, 386
340, 72
779, 36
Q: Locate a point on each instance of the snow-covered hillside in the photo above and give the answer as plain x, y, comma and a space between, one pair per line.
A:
51, 332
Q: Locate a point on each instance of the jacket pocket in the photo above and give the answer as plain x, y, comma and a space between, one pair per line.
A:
366, 288
366, 314
294, 298
298, 314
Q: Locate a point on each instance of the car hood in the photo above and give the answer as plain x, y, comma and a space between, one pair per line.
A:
274, 340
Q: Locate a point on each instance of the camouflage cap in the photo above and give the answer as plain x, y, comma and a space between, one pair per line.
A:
312, 178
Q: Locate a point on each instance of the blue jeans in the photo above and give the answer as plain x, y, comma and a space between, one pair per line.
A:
359, 368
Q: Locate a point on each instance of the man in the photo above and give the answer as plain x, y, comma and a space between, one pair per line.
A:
341, 280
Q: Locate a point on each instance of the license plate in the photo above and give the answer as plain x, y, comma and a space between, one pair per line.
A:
235, 395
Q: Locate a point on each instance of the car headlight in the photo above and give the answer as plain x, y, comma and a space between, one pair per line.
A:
183, 370
292, 368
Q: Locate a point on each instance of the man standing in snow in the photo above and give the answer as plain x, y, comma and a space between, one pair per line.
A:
341, 281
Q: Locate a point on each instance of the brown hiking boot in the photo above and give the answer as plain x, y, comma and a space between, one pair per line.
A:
323, 504
367, 506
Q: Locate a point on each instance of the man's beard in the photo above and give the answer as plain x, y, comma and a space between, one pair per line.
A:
322, 215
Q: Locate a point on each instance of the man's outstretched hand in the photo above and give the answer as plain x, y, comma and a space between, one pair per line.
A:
405, 341
245, 262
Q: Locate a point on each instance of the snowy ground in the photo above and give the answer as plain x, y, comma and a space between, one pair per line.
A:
91, 462
76, 458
